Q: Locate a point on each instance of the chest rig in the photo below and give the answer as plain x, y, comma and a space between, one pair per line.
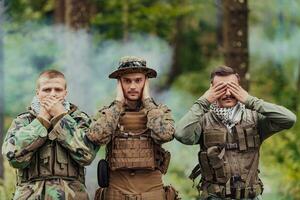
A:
133, 148
228, 161
51, 161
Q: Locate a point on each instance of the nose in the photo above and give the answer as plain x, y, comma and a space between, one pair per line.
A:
132, 85
53, 93
228, 93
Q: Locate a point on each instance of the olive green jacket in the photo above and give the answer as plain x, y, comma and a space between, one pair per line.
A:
271, 119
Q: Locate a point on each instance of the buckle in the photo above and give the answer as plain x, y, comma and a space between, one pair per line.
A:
235, 178
131, 197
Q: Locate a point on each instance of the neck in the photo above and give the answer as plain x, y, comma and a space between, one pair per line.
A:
132, 104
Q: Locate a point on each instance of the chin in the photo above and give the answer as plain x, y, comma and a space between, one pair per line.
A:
133, 98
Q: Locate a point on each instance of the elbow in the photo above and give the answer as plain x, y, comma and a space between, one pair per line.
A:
183, 139
291, 121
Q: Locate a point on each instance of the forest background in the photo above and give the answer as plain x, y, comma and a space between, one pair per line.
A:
183, 40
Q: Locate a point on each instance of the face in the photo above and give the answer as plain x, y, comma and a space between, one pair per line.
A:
133, 85
227, 100
54, 87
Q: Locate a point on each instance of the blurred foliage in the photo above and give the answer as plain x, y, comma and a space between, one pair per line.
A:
274, 41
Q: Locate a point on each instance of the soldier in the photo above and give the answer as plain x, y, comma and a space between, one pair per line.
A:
48, 144
230, 126
133, 128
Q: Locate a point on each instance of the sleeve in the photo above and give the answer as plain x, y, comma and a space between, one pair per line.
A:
70, 131
188, 129
22, 140
105, 123
159, 121
271, 118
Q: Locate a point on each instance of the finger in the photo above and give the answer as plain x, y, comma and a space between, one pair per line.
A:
235, 85
218, 84
220, 93
221, 89
234, 88
48, 101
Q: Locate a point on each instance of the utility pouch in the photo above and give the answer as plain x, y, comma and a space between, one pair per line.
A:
103, 173
162, 158
215, 157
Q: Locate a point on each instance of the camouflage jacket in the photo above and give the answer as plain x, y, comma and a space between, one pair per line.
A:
159, 121
28, 133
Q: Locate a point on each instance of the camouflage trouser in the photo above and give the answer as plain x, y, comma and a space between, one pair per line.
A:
218, 198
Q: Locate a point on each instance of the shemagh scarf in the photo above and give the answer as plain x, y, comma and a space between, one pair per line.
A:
229, 116
36, 106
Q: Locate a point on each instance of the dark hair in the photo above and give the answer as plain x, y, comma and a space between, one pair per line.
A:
223, 71
50, 73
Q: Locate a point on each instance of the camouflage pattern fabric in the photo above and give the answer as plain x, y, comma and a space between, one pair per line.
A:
27, 133
217, 198
159, 121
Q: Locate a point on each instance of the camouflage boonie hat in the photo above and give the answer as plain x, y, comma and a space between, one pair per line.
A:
132, 64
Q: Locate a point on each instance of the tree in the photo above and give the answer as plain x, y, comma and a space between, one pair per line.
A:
235, 37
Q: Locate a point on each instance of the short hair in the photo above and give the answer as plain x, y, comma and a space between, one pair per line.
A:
50, 73
223, 71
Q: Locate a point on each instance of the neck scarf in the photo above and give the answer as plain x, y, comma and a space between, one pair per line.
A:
229, 116
36, 106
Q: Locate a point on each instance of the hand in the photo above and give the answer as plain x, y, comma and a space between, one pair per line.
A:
146, 90
238, 92
44, 113
120, 94
215, 91
54, 106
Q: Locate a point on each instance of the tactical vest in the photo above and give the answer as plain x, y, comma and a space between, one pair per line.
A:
51, 161
133, 148
228, 162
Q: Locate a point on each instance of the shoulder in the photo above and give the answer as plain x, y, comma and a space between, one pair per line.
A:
79, 114
25, 116
250, 116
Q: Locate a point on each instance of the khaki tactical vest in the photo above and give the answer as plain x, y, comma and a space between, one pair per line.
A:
133, 148
51, 161
228, 162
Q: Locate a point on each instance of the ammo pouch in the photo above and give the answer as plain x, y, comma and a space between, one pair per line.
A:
51, 161
103, 173
212, 165
215, 158
162, 159
100, 194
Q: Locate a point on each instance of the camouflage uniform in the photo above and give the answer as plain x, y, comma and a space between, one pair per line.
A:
127, 182
27, 140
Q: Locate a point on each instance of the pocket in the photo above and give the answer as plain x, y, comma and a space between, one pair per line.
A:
253, 139
214, 137
61, 164
216, 159
45, 160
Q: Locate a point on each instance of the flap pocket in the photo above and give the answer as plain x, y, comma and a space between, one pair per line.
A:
61, 155
214, 137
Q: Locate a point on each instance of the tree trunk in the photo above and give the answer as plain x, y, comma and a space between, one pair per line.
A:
125, 20
59, 12
235, 37
219, 30
2, 10
77, 14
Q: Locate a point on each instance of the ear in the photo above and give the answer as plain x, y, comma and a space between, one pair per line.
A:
36, 91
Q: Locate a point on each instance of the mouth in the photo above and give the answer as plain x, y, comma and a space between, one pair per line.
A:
133, 93
228, 99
